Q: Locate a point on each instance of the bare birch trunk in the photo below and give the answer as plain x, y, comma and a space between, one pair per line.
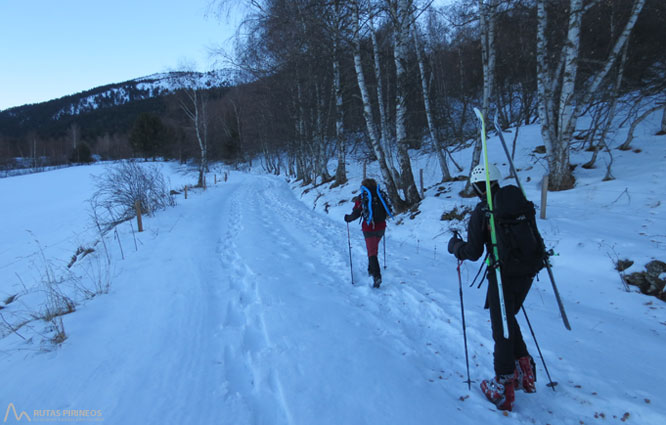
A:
195, 109
321, 155
389, 183
401, 19
239, 127
616, 53
303, 170
446, 174
487, 20
544, 83
385, 136
341, 170
566, 117
630, 135
558, 122
611, 107
487, 27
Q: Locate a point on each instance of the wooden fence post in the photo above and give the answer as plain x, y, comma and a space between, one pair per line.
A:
185, 191
225, 176
215, 178
139, 222
204, 182
422, 189
544, 195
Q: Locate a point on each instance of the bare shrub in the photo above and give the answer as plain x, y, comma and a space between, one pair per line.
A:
122, 186
96, 276
57, 303
59, 331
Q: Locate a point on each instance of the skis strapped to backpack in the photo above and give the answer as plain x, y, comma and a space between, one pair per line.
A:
493, 234
544, 252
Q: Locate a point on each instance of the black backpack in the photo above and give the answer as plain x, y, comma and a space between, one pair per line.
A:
375, 205
519, 244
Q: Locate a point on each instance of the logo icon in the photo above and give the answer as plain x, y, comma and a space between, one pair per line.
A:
17, 416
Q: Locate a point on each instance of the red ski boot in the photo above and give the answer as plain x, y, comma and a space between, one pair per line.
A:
524, 375
500, 391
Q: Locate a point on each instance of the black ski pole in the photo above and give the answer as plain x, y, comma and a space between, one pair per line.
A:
384, 252
563, 313
351, 267
462, 310
551, 383
508, 155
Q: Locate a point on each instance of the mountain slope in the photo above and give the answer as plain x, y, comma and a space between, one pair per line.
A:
103, 105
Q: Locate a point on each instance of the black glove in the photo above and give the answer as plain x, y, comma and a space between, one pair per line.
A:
454, 244
348, 218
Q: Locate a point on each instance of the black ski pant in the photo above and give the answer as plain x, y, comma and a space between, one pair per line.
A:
507, 351
373, 267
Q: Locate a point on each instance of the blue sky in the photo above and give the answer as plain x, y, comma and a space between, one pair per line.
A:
52, 48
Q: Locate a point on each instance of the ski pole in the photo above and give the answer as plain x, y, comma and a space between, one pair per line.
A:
560, 305
508, 155
551, 383
385, 252
351, 267
462, 310
563, 313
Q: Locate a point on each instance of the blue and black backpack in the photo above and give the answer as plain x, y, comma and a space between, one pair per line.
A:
375, 205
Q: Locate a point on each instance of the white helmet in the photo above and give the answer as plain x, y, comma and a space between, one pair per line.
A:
479, 174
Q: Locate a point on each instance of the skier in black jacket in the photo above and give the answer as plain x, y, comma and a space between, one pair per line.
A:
513, 364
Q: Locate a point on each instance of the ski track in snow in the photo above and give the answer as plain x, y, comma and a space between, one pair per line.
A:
252, 319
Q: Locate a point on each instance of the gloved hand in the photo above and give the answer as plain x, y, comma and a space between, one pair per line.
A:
348, 218
454, 244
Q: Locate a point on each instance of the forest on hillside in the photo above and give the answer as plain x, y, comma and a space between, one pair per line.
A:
319, 80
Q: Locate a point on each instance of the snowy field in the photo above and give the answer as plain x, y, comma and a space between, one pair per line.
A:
237, 306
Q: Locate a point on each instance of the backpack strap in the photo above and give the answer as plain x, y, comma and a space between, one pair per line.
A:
369, 195
381, 198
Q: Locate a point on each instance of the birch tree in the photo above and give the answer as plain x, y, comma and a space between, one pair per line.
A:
487, 13
371, 128
632, 128
194, 103
560, 102
385, 134
401, 14
487, 10
340, 171
339, 26
439, 150
604, 117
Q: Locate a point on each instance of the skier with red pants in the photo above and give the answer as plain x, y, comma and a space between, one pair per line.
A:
374, 208
514, 367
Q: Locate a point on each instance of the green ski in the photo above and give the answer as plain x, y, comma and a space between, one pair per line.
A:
493, 235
